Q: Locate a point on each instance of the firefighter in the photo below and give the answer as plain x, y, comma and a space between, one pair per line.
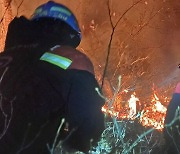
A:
48, 79
172, 124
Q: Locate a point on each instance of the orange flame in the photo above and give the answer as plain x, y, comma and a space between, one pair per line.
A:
152, 115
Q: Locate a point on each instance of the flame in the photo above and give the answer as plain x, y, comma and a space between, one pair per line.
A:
152, 114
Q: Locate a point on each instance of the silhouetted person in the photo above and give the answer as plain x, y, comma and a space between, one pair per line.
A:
46, 79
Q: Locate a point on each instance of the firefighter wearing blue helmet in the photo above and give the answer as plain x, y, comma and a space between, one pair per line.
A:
48, 79
57, 11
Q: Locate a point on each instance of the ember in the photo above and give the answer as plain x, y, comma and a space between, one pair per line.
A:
151, 114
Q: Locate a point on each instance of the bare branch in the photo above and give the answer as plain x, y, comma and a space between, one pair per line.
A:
125, 12
147, 23
23, 146
57, 135
19, 7
112, 34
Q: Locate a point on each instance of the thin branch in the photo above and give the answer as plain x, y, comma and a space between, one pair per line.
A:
1, 78
19, 7
112, 34
147, 23
7, 121
23, 147
134, 4
115, 93
57, 135
99, 93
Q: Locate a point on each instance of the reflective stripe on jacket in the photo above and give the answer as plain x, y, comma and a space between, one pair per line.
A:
68, 58
57, 60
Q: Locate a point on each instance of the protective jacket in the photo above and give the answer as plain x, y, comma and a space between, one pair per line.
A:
55, 84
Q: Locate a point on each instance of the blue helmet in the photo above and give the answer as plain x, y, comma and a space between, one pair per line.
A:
57, 11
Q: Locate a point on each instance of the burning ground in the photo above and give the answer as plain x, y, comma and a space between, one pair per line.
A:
137, 39
150, 114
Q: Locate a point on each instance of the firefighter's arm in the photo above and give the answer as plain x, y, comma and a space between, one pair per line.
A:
84, 109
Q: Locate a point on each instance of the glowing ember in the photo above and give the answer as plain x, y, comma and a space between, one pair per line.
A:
152, 114
110, 112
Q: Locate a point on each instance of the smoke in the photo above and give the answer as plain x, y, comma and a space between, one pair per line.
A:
171, 78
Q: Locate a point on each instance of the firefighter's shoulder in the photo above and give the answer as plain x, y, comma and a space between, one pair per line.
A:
79, 60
